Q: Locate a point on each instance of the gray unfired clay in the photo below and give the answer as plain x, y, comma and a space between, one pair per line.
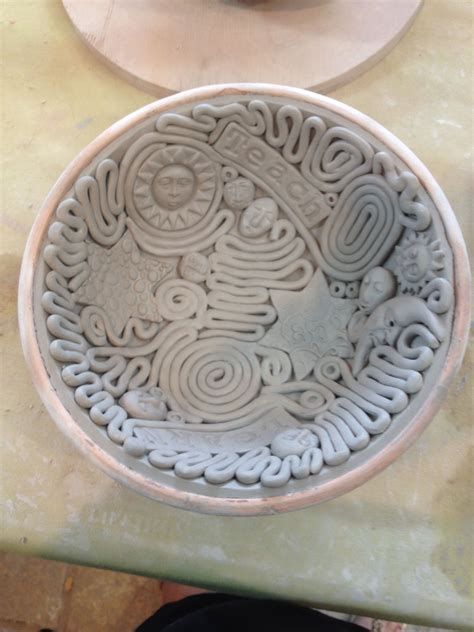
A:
245, 292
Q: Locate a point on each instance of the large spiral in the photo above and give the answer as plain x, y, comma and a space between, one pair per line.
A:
212, 380
363, 229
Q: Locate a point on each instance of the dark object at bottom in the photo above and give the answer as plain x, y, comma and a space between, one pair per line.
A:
214, 612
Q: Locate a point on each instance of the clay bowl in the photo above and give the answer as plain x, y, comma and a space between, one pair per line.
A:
244, 299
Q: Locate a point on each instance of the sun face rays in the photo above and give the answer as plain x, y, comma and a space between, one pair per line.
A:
418, 260
174, 188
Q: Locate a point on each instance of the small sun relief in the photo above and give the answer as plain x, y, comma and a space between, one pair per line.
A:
418, 261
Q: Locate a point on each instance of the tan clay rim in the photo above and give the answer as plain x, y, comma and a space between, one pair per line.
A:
239, 506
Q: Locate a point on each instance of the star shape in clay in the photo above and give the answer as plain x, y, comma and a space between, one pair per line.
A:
122, 281
311, 324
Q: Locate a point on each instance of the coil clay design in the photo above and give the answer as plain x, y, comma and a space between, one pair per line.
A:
247, 292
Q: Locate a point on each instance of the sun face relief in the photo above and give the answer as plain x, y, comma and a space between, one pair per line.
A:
418, 261
173, 186
415, 263
171, 189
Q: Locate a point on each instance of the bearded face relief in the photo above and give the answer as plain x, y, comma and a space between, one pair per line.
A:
145, 404
173, 186
259, 217
194, 267
294, 441
258, 290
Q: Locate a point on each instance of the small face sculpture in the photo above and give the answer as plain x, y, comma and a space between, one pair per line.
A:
239, 193
145, 405
377, 286
194, 267
259, 217
173, 186
294, 441
415, 262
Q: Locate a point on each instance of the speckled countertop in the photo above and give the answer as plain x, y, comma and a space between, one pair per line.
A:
401, 545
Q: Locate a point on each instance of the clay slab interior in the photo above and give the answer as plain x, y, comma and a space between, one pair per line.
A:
245, 299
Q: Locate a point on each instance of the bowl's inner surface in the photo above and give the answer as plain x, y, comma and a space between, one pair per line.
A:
250, 293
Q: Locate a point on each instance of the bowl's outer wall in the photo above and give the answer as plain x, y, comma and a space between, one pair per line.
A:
27, 308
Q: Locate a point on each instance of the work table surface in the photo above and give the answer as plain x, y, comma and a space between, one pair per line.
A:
401, 545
